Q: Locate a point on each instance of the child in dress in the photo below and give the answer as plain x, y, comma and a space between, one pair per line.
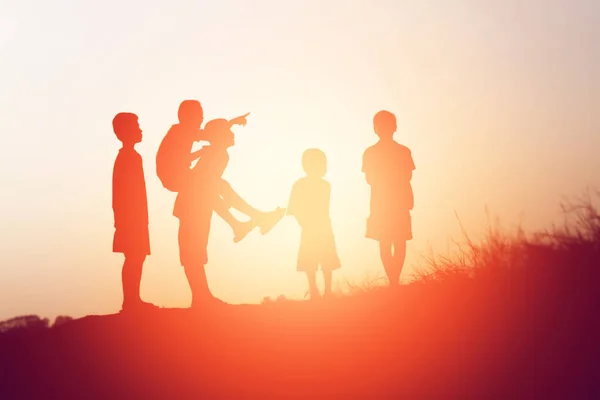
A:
309, 203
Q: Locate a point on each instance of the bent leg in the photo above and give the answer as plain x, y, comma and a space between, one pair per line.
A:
266, 220
196, 276
240, 229
234, 200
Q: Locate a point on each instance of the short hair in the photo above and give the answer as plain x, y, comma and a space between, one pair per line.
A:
314, 161
384, 119
189, 108
122, 122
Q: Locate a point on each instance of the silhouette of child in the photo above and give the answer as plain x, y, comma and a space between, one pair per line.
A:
388, 167
194, 206
309, 203
174, 158
130, 209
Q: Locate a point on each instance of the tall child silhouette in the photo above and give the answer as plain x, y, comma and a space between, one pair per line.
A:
388, 168
309, 203
130, 209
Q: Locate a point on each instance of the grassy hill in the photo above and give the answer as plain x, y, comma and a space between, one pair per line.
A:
508, 318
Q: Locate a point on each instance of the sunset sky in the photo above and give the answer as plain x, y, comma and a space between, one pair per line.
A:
498, 101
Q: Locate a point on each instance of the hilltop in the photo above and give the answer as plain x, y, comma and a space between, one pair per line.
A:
509, 318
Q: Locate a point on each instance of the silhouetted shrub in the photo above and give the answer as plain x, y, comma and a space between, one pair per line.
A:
61, 320
25, 322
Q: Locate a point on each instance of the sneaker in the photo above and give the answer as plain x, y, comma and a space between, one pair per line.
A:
243, 230
268, 220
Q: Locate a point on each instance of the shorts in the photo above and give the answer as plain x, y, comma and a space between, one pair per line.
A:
193, 240
398, 226
132, 240
315, 250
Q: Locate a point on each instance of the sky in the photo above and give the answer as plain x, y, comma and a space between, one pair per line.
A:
498, 102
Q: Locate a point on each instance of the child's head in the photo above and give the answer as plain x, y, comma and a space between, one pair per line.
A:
127, 128
218, 133
314, 163
384, 124
190, 113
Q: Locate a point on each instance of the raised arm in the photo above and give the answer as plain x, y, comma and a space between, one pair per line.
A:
241, 120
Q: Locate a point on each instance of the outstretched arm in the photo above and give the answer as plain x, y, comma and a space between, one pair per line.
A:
241, 120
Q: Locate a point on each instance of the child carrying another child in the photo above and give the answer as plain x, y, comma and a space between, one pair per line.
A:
174, 158
206, 192
309, 203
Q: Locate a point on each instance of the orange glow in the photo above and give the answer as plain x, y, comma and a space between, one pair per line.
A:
498, 104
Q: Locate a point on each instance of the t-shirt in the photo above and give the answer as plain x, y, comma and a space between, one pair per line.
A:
309, 202
388, 168
129, 201
204, 183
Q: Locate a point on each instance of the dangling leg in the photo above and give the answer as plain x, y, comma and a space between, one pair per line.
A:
266, 220
240, 229
235, 200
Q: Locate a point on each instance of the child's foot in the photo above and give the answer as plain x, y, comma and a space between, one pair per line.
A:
215, 302
268, 220
242, 230
138, 307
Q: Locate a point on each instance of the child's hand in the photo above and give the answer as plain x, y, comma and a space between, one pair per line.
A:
241, 120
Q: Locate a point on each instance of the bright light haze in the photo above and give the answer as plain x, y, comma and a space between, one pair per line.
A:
498, 101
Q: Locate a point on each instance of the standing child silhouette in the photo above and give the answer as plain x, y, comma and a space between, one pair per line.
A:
309, 203
130, 209
388, 168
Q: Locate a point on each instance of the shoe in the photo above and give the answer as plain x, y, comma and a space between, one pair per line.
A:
244, 229
215, 302
268, 220
139, 307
